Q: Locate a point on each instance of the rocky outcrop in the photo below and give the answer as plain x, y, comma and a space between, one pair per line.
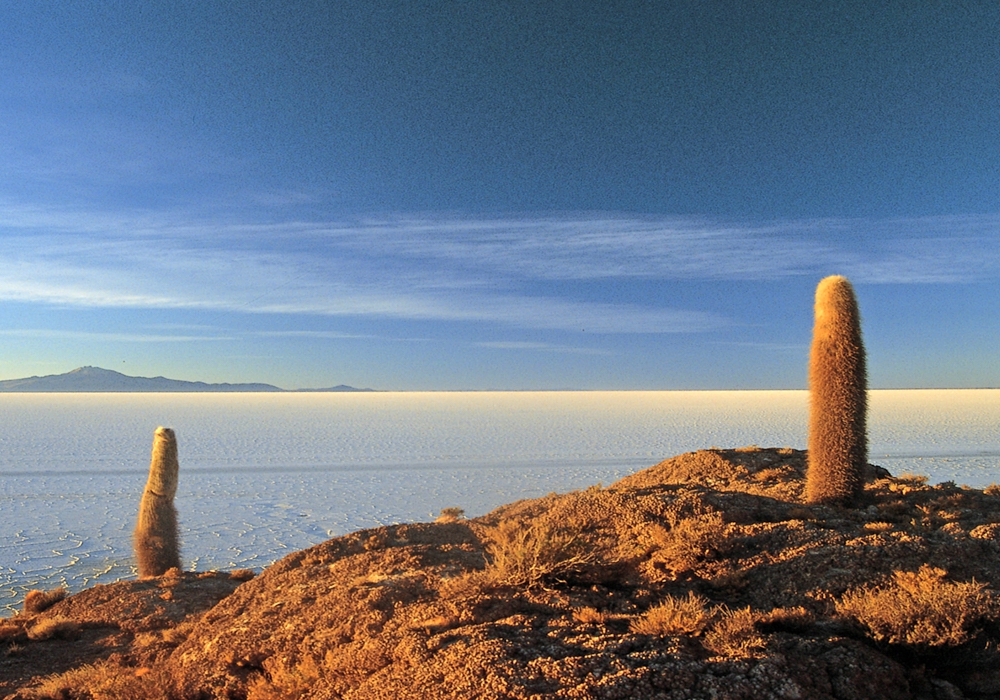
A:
704, 576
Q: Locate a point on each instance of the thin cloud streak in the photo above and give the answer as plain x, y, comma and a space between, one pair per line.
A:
105, 337
464, 270
937, 249
540, 347
944, 249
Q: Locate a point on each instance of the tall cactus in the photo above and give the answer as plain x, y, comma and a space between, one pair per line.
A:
156, 541
838, 443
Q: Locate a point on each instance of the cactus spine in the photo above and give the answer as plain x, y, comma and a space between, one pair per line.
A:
838, 443
156, 541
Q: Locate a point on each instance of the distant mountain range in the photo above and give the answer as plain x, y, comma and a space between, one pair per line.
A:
105, 380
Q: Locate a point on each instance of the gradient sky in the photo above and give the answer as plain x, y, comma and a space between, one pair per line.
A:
513, 195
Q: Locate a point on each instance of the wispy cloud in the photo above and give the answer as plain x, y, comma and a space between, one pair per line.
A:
541, 347
507, 271
941, 249
104, 337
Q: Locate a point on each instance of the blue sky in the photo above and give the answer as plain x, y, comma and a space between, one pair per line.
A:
514, 195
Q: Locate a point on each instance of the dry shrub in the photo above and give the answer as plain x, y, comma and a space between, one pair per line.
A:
735, 635
101, 681
674, 617
468, 585
769, 474
992, 490
52, 628
450, 515
10, 631
530, 555
921, 609
176, 635
36, 601
796, 619
690, 541
590, 616
242, 574
283, 681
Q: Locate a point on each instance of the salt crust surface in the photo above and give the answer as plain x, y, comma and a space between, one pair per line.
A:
263, 475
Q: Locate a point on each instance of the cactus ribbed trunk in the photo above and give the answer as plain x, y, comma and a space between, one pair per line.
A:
156, 540
838, 442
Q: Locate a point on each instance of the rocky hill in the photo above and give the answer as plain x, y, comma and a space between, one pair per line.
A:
96, 379
702, 577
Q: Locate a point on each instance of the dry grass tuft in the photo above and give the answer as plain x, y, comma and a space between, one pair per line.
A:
735, 635
675, 617
283, 681
176, 635
467, 585
10, 631
589, 616
796, 619
36, 601
53, 628
921, 609
690, 541
531, 555
99, 682
242, 574
450, 515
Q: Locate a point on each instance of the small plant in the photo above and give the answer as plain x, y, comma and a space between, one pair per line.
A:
690, 541
53, 627
530, 555
156, 540
589, 616
242, 574
100, 681
36, 601
283, 681
450, 515
735, 635
838, 385
796, 619
10, 631
466, 585
674, 617
921, 609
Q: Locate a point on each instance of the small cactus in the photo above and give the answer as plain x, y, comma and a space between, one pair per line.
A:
838, 442
156, 541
